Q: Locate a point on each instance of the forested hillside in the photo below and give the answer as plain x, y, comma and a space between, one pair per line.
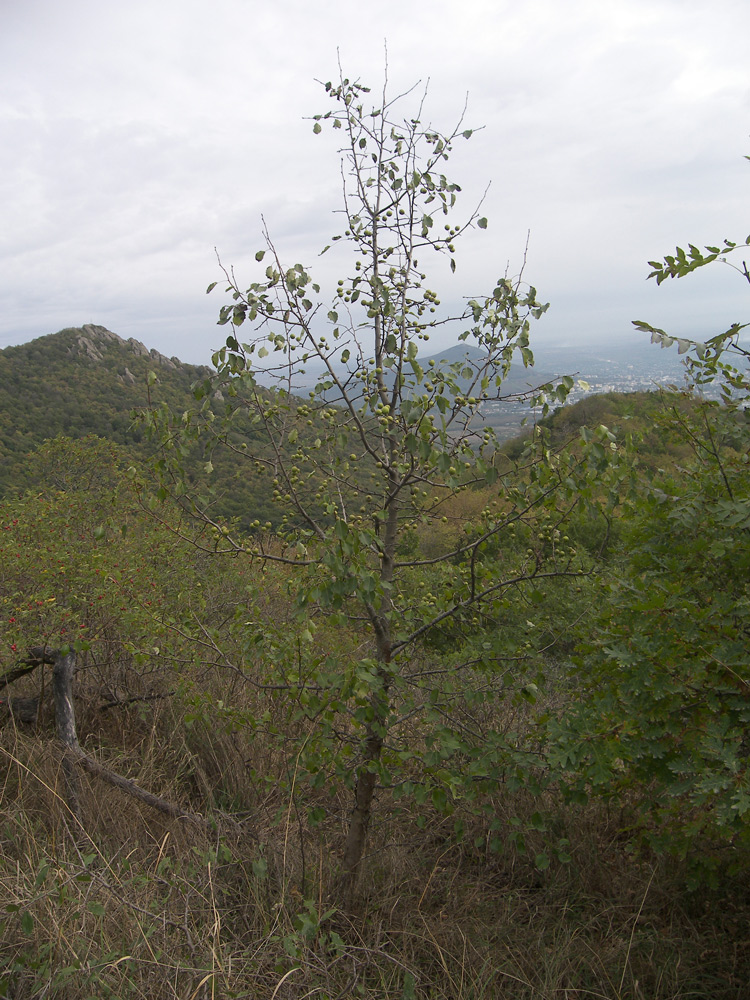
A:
80, 381
89, 381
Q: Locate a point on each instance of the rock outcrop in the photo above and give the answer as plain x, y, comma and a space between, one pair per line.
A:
92, 340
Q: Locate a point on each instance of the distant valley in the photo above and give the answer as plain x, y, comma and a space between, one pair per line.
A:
88, 380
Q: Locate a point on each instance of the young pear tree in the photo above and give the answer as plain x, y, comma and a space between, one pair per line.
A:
367, 469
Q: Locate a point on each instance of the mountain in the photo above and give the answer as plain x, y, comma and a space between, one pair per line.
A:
88, 380
82, 380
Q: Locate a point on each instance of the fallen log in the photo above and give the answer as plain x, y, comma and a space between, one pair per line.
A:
112, 778
65, 723
62, 680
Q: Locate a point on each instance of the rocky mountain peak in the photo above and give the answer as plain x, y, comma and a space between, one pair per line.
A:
92, 339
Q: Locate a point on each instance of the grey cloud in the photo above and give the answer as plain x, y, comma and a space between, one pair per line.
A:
141, 136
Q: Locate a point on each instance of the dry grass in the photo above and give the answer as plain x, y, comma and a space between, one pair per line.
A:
129, 904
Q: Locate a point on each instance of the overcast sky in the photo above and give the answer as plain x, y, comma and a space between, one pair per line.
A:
137, 136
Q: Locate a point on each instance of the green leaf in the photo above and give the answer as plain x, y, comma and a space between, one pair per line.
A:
260, 255
211, 287
317, 127
408, 991
482, 223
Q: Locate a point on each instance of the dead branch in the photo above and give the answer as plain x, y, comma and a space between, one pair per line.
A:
62, 674
37, 655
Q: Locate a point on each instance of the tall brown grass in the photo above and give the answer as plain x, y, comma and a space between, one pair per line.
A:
127, 903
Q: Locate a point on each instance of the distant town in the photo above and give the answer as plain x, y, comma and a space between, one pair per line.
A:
637, 366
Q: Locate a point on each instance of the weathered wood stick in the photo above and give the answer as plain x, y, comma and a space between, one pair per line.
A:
155, 801
62, 678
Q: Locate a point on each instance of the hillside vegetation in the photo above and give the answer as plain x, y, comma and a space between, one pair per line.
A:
89, 381
533, 887
530, 887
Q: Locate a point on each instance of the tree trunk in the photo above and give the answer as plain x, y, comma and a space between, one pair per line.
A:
373, 745
65, 721
360, 819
